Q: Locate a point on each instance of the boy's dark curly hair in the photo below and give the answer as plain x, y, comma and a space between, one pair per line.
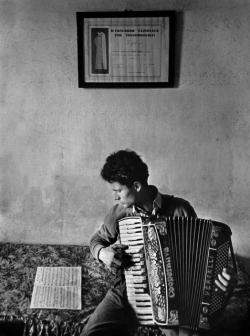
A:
125, 167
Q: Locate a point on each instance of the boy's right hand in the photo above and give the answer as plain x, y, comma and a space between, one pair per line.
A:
115, 257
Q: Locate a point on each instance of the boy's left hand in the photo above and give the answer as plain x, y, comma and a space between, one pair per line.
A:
227, 280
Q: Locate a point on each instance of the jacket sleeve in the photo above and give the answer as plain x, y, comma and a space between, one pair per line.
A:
107, 233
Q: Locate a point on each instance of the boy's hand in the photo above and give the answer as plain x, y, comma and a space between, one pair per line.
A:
227, 280
115, 256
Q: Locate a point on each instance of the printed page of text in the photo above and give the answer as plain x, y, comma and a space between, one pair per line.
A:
57, 288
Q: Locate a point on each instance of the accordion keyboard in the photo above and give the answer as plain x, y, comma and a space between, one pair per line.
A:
136, 275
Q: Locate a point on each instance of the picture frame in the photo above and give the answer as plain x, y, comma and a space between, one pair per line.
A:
127, 49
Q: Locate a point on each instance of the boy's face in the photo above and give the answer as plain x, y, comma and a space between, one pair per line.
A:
122, 194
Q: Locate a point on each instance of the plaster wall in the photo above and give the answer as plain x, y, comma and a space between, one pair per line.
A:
55, 136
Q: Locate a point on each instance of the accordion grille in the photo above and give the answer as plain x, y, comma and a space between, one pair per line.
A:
189, 241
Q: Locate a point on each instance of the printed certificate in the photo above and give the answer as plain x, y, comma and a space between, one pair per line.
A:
118, 50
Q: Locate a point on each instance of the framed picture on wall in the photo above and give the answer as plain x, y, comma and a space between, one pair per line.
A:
126, 49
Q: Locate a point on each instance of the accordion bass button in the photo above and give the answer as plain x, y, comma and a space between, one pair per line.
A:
213, 242
205, 309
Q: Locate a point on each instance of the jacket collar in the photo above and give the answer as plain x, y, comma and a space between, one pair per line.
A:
157, 204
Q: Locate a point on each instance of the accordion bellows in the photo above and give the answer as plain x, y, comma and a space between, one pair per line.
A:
175, 263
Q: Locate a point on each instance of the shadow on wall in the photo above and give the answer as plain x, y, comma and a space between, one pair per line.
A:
244, 263
179, 26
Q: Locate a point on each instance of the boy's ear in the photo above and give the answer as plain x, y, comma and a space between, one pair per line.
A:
137, 186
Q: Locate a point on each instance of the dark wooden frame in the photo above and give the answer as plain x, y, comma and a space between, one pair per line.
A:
83, 83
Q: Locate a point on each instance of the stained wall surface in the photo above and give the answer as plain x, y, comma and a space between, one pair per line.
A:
55, 136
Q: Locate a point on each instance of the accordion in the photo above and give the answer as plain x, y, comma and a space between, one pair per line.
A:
175, 262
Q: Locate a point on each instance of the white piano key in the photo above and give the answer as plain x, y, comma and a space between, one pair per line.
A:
145, 317
138, 242
136, 279
138, 266
130, 226
139, 297
131, 219
138, 290
135, 272
144, 311
133, 285
136, 248
146, 322
136, 307
131, 236
141, 303
128, 229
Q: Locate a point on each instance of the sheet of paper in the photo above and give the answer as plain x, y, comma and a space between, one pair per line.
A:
57, 288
